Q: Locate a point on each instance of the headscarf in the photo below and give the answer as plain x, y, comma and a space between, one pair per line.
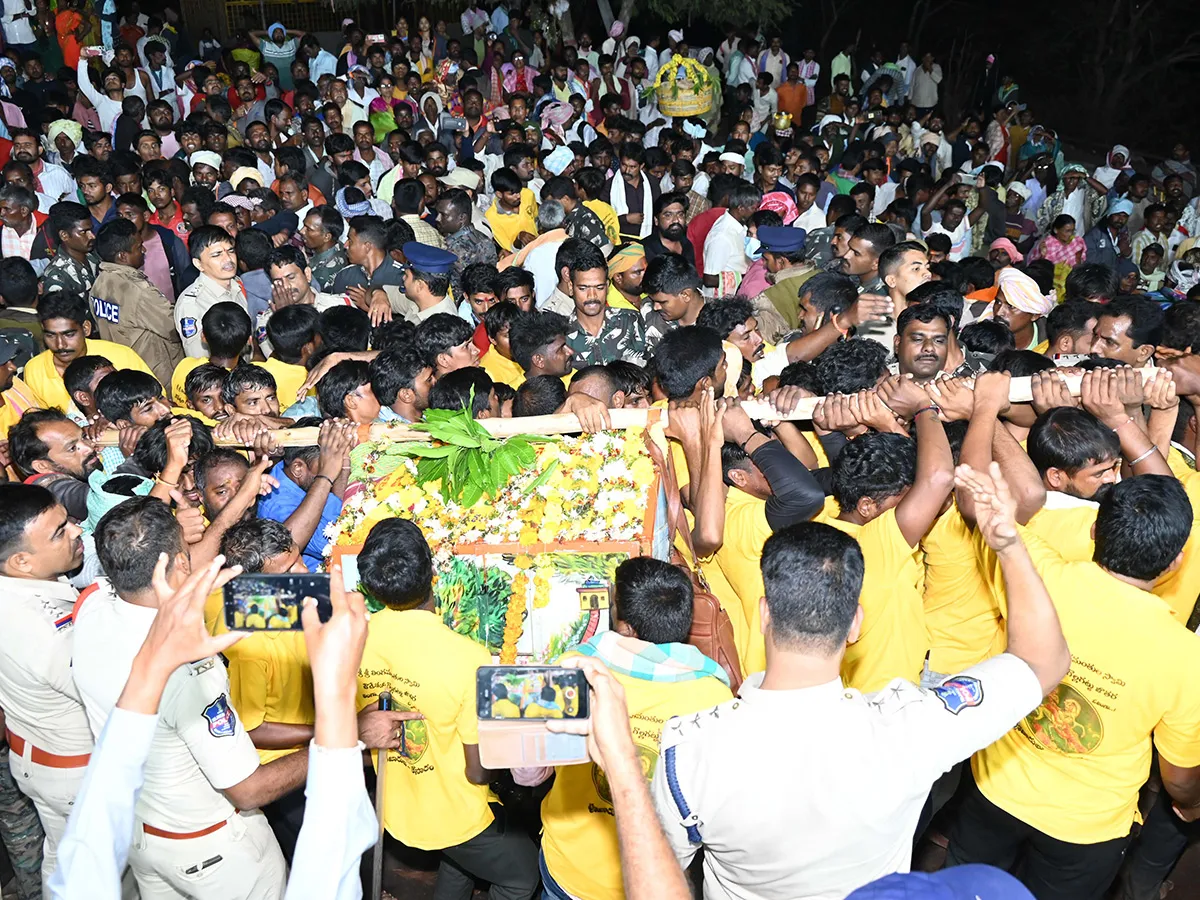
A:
271, 31
554, 116
778, 201
1008, 247
1120, 206
240, 201
558, 159
69, 127
625, 259
383, 120
241, 173
1073, 169
1022, 292
1107, 173
350, 210
206, 157
1020, 189
423, 123
676, 35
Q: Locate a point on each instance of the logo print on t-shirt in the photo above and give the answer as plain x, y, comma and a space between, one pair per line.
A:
414, 737
647, 756
1065, 722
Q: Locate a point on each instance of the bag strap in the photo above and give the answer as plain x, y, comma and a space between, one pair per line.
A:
676, 518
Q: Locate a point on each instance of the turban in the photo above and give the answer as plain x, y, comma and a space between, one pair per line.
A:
241, 173
1019, 188
555, 115
69, 127
1120, 206
239, 201
625, 259
694, 129
736, 158
349, 210
779, 202
274, 26
1074, 169
1022, 292
1008, 247
676, 35
558, 159
207, 158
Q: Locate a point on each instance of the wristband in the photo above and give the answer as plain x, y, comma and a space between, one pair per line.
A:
327, 478
933, 408
1134, 462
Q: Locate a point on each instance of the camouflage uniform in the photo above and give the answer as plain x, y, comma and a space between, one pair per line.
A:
622, 337
21, 833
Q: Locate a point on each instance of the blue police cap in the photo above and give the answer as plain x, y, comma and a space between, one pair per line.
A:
781, 238
428, 259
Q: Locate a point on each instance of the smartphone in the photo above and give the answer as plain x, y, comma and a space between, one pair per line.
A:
376, 39
452, 123
514, 703
273, 602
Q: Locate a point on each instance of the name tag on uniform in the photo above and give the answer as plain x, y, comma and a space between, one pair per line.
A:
107, 310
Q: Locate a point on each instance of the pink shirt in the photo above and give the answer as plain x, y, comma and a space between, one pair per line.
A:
156, 267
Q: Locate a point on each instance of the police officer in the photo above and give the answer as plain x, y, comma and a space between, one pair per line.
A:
802, 787
199, 832
46, 726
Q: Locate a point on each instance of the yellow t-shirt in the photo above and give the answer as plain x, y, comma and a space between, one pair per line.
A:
47, 384
502, 369
579, 837
740, 560
616, 300
962, 616
1073, 767
430, 804
288, 378
270, 681
608, 218
183, 369
506, 226
894, 637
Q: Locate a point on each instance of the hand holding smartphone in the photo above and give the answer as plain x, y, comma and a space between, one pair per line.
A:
514, 703
273, 602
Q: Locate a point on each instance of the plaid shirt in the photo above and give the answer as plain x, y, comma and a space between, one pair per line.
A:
696, 205
663, 663
13, 244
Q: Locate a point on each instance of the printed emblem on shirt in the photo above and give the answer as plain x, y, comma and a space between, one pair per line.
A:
959, 693
1066, 721
107, 310
647, 756
221, 720
65, 622
187, 325
414, 741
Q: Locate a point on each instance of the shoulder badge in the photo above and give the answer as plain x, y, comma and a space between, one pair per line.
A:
187, 325
221, 720
959, 693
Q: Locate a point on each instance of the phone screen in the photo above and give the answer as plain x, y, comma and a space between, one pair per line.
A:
505, 693
273, 602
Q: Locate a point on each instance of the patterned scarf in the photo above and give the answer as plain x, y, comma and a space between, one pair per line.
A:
663, 663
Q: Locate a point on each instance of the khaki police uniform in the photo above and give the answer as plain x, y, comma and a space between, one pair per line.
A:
189, 841
47, 729
198, 298
814, 792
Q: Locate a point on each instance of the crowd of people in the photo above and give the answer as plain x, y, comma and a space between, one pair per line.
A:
961, 606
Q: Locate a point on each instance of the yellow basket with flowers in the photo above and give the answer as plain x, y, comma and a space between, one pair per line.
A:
683, 88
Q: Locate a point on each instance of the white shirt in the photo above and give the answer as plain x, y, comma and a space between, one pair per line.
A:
811, 219
764, 106
924, 91
540, 263
827, 784
37, 692
55, 182
725, 247
18, 31
200, 746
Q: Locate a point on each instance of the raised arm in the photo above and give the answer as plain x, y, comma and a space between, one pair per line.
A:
1034, 632
990, 402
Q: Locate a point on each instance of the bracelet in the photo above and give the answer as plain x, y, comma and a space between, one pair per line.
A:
327, 478
746, 443
933, 408
1153, 449
1128, 419
165, 483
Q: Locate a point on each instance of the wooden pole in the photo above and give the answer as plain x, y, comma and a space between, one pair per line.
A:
566, 423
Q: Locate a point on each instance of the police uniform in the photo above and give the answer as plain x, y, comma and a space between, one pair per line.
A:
189, 841
435, 261
47, 729
815, 792
198, 298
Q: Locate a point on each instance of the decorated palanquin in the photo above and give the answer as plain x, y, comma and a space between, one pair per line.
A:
527, 570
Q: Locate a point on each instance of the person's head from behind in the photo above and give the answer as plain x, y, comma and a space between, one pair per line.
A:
249, 390
37, 539
873, 473
1141, 528
987, 336
470, 388
1074, 452
130, 539
225, 328
345, 393
653, 601
812, 576
344, 329
292, 332
538, 341
689, 361
1091, 281
598, 383
395, 566
131, 397
540, 395
851, 366
261, 546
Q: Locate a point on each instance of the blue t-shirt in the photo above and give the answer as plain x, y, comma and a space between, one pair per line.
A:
285, 499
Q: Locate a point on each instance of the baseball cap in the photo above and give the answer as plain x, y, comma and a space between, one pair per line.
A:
973, 882
9, 348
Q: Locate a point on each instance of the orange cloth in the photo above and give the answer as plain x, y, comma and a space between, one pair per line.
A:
792, 99
65, 24
988, 294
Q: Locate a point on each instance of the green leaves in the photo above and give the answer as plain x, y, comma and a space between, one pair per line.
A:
467, 461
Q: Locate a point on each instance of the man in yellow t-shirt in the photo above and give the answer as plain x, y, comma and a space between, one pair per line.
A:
498, 361
889, 494
66, 330
1064, 782
513, 213
652, 614
437, 789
